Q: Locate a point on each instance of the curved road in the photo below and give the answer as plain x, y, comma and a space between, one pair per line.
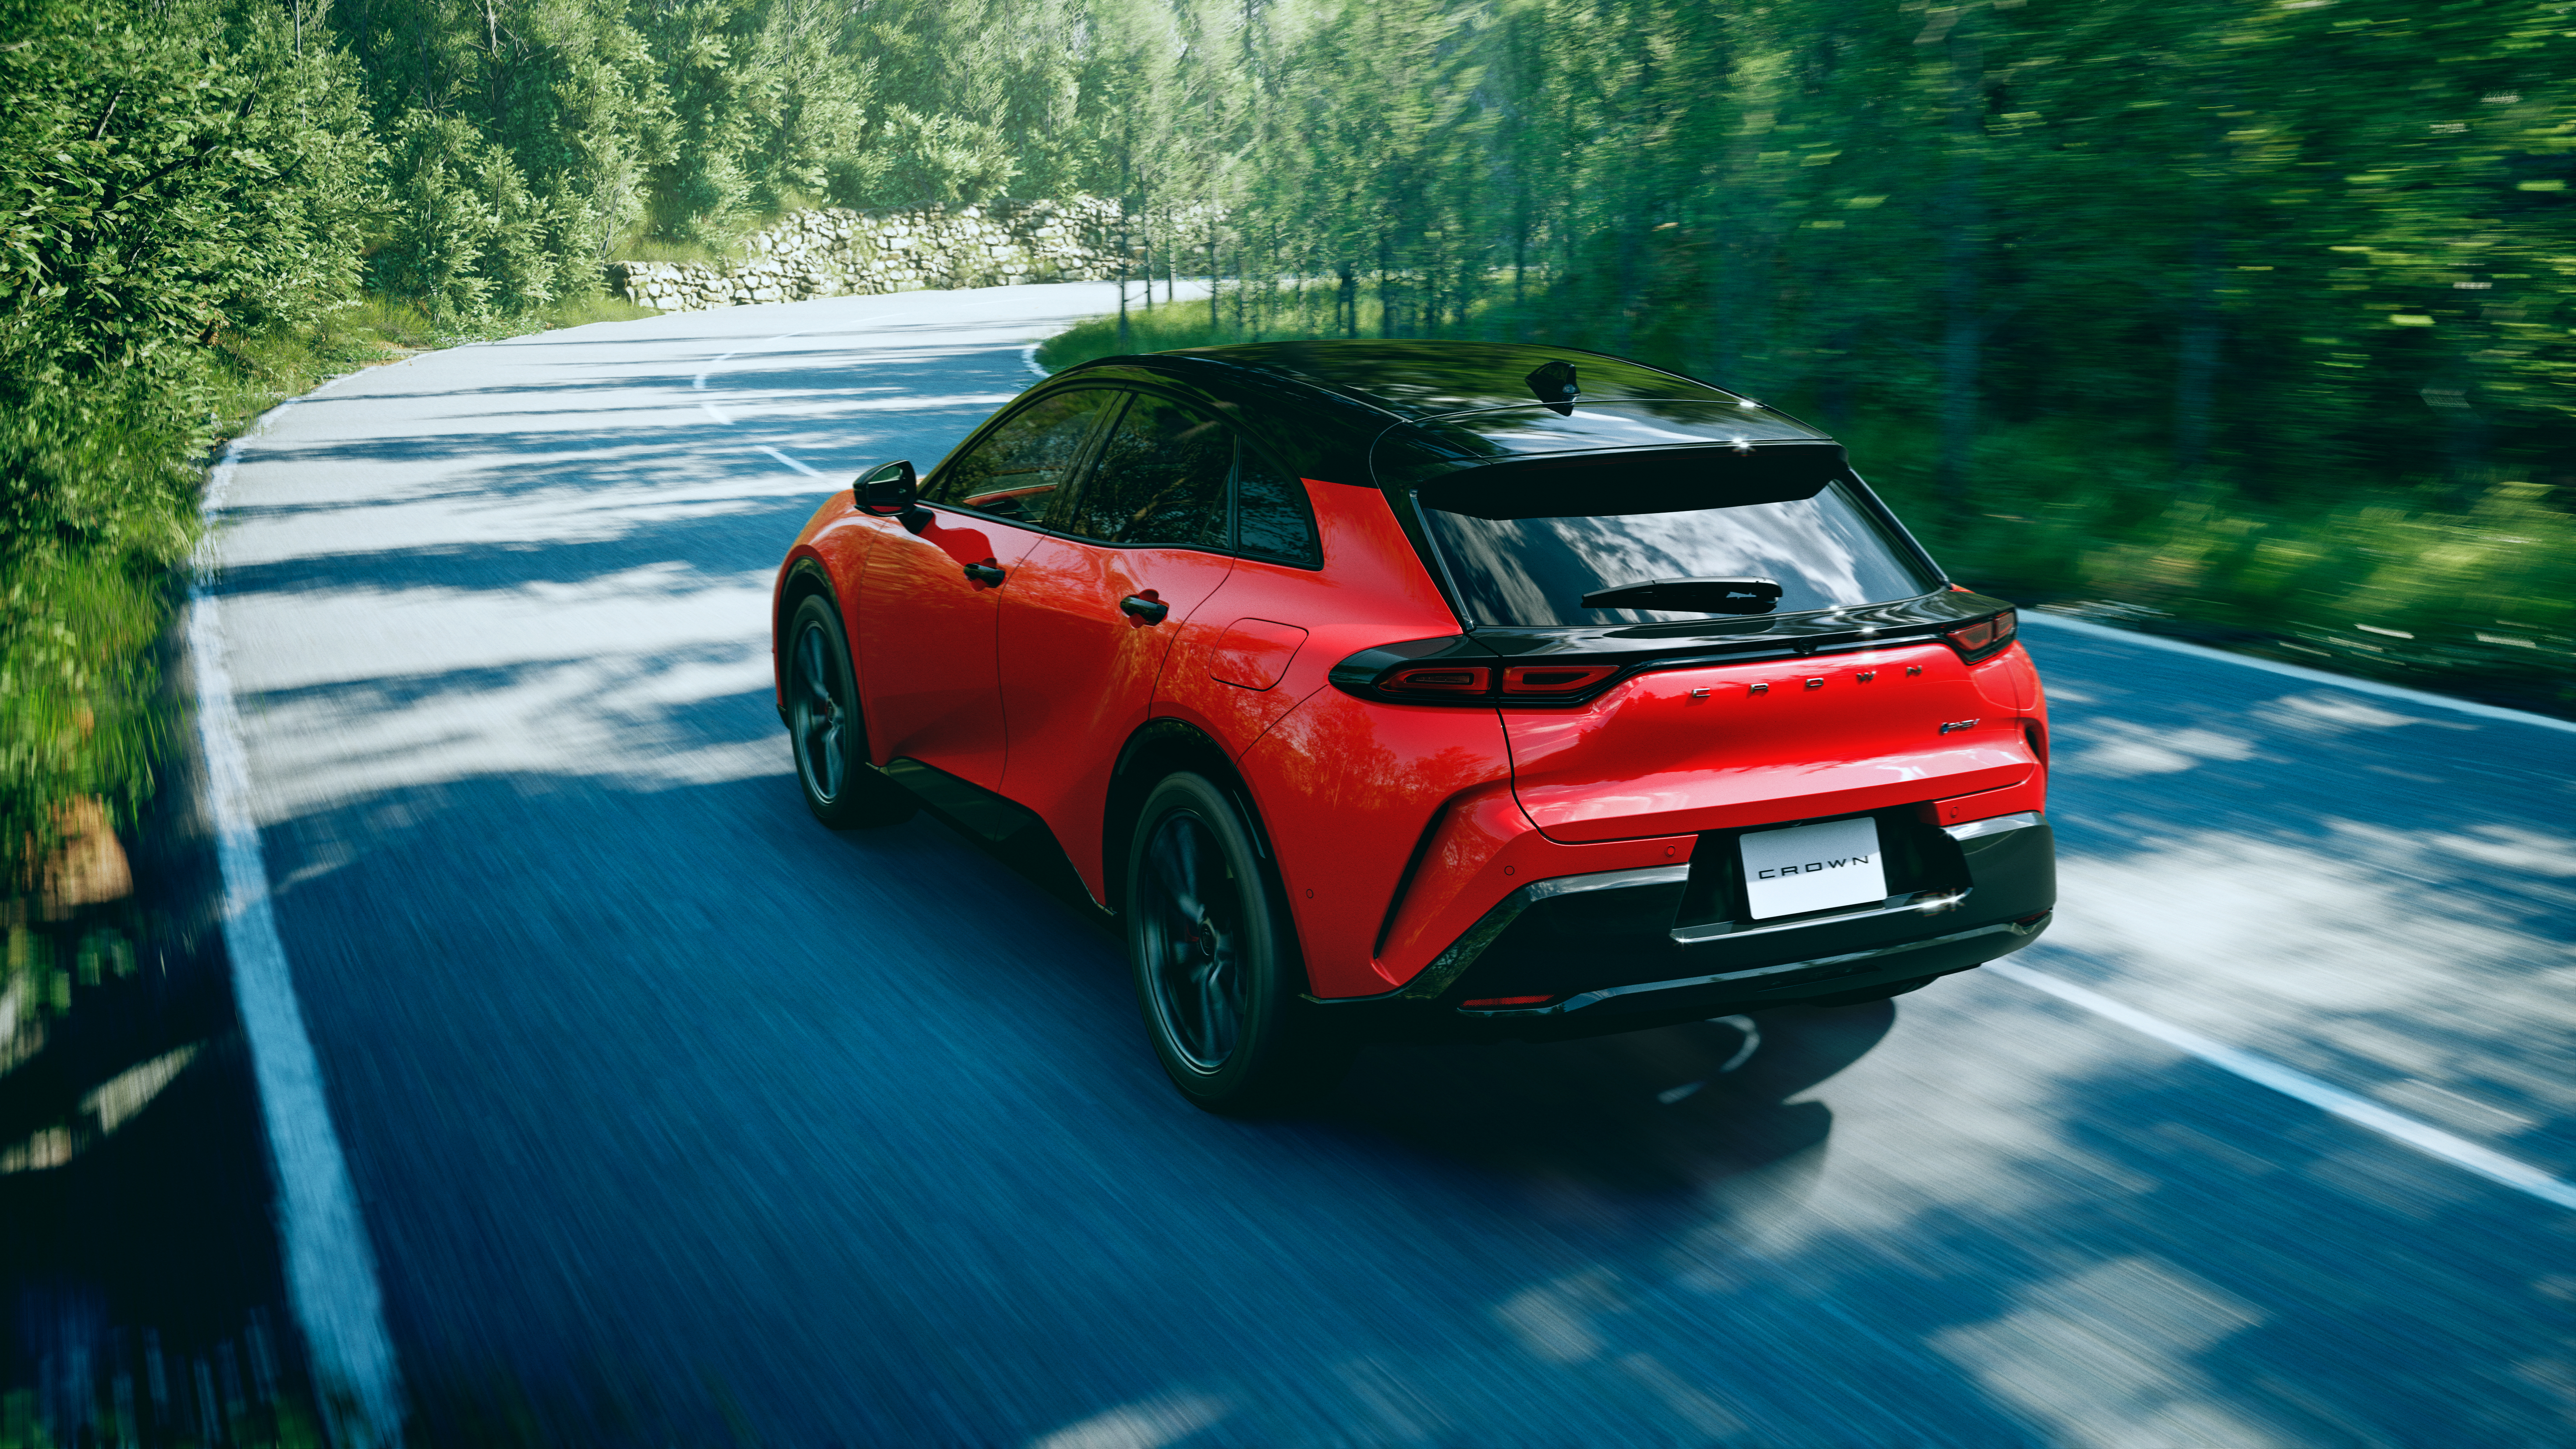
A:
675, 1118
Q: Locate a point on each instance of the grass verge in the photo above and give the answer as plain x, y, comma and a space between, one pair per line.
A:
81, 712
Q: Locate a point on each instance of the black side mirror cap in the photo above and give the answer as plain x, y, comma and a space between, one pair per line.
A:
888, 492
893, 491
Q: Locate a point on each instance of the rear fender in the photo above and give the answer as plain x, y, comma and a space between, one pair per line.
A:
1348, 787
1481, 849
1160, 747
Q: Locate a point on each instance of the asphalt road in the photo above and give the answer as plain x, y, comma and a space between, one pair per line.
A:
676, 1118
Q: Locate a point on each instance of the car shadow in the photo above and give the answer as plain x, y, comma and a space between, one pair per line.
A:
1675, 1110
1679, 1109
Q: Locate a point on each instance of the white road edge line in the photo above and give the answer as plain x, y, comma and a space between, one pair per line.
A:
330, 1270
2297, 671
2358, 1110
1029, 359
783, 458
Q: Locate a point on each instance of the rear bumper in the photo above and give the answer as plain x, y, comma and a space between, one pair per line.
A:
1625, 950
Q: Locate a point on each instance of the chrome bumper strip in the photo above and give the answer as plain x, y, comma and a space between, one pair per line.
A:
1997, 826
1930, 903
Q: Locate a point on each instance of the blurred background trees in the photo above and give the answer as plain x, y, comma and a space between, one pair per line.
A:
2254, 312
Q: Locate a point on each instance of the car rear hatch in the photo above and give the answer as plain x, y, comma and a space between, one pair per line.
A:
1726, 745
1693, 638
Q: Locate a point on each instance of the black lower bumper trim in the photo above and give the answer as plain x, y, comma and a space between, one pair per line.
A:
1621, 951
1872, 962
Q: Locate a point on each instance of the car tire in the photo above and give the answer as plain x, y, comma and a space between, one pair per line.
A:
824, 727
1218, 977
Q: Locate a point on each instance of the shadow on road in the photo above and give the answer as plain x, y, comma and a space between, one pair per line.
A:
1643, 1112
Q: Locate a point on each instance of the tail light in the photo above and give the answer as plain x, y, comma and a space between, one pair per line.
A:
1460, 670
1444, 679
1489, 1002
1985, 637
1555, 678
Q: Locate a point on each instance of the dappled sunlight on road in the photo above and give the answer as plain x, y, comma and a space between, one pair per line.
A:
598, 680
2351, 916
662, 1098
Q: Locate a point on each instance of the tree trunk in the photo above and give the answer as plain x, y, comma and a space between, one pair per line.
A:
1963, 228
2196, 358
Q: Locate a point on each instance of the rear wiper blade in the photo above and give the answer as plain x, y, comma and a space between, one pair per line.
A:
1697, 596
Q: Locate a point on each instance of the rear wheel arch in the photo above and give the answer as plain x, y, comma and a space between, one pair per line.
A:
1158, 748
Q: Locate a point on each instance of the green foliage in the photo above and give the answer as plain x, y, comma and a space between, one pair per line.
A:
2255, 315
174, 174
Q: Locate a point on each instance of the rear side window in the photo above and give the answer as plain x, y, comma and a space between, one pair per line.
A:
1161, 478
1826, 551
1270, 519
1014, 471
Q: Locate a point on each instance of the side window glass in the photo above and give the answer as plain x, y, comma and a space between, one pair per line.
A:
1013, 471
1161, 478
1270, 519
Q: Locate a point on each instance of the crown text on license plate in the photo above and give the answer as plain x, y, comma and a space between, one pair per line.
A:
1813, 867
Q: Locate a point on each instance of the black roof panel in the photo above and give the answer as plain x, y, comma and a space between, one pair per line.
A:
1427, 407
1421, 379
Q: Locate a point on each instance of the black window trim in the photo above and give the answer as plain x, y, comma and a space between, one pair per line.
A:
1082, 460
1243, 444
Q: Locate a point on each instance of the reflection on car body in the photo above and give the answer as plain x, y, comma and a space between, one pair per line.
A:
1426, 690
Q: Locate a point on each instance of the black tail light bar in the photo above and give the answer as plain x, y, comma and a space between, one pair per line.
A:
1541, 681
1531, 667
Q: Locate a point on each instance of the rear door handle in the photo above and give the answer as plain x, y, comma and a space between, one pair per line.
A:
1152, 611
985, 573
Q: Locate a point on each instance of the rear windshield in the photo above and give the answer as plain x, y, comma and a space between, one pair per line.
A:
1826, 551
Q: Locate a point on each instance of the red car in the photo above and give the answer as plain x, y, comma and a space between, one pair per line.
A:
1421, 689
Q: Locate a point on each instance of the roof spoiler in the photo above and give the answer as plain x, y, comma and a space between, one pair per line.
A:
1660, 480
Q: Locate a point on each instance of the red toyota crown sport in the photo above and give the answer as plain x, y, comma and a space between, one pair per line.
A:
1430, 690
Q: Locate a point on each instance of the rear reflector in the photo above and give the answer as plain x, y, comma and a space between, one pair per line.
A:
1489, 1001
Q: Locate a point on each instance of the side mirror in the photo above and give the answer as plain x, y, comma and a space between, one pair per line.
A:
889, 492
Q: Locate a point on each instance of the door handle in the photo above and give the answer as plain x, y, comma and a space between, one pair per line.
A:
985, 573
1152, 611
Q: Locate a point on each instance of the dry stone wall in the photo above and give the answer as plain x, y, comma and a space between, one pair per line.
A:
836, 252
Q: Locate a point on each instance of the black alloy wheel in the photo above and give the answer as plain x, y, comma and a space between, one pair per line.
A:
824, 726
1217, 975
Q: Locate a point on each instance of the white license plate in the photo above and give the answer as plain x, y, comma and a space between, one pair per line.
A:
1813, 867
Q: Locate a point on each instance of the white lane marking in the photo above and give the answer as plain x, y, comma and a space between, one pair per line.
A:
330, 1270
1670, 1095
1752, 1041
1029, 359
700, 383
2297, 671
783, 458
2361, 1111
711, 410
